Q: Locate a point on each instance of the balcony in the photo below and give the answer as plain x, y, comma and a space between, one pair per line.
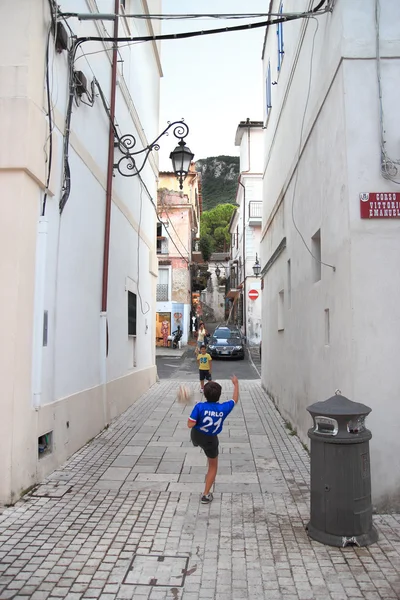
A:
232, 290
196, 254
255, 212
162, 245
162, 292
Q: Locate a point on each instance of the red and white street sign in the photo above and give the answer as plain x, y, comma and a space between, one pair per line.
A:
380, 205
253, 294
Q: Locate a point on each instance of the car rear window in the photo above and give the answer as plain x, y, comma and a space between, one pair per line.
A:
226, 334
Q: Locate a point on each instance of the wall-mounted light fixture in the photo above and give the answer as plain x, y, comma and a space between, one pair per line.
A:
256, 267
181, 157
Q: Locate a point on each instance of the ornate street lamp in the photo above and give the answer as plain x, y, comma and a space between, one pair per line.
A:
181, 157
218, 272
256, 267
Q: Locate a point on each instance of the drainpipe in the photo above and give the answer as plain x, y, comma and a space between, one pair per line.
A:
107, 224
110, 165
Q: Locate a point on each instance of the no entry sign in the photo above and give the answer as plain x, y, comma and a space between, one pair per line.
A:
253, 294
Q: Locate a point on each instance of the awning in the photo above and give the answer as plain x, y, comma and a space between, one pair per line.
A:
233, 294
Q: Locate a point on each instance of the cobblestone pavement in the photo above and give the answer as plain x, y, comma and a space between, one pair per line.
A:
122, 519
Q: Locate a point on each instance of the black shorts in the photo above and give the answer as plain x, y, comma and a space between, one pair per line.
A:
208, 443
204, 375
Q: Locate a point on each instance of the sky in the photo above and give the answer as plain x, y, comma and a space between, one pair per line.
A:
213, 81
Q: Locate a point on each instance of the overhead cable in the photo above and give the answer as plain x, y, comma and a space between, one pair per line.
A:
189, 34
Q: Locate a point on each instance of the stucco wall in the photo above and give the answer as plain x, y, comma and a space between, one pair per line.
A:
78, 384
305, 357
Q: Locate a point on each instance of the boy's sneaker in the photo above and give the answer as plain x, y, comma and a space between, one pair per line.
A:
207, 499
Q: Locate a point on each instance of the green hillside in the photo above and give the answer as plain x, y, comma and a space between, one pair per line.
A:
219, 177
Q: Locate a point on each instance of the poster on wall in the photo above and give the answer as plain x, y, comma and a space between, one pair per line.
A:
380, 205
163, 328
177, 316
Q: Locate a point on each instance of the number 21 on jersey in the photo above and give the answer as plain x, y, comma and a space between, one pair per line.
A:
209, 422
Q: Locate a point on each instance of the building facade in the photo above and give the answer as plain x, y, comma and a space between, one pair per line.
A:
331, 316
214, 295
244, 289
177, 227
78, 258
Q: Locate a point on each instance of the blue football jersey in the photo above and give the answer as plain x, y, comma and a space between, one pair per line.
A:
210, 416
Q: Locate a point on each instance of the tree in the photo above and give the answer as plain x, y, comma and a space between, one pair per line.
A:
214, 226
206, 247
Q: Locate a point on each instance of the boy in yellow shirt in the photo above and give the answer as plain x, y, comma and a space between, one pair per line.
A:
204, 361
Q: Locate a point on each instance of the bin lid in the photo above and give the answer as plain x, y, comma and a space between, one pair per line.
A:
338, 405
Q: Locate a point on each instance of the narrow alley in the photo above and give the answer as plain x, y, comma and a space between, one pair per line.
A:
123, 520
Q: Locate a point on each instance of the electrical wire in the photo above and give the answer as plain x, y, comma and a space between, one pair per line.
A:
165, 209
189, 34
53, 27
300, 152
389, 168
191, 16
158, 217
77, 42
50, 119
144, 312
85, 54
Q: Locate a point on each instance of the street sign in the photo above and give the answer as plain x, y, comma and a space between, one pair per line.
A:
380, 205
253, 294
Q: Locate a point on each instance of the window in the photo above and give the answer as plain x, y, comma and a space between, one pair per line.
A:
131, 313
279, 33
289, 284
268, 90
281, 310
316, 256
163, 285
162, 241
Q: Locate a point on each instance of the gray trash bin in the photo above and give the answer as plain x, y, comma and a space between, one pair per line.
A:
341, 508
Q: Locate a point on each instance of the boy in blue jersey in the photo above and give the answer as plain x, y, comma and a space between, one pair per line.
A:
206, 422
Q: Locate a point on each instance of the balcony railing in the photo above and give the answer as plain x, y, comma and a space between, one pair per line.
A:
255, 210
162, 245
162, 292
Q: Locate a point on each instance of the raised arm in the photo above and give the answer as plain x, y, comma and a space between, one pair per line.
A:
235, 395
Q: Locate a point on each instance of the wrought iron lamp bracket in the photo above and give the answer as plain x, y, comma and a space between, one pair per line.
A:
127, 165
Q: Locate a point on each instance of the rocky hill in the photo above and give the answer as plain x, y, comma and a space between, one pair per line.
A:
219, 177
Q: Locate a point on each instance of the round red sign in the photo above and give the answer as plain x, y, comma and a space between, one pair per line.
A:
253, 294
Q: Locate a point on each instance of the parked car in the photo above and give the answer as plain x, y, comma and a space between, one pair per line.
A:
226, 343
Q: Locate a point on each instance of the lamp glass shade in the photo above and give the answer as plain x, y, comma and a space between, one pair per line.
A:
181, 158
256, 268
218, 272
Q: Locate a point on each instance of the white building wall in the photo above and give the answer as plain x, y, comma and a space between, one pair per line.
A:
251, 190
303, 362
81, 388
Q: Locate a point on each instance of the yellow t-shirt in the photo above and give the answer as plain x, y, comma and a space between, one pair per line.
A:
204, 361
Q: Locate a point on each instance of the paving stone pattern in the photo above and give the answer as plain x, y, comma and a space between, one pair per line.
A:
123, 520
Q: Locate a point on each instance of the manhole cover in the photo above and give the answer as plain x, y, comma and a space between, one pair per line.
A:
51, 490
168, 571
